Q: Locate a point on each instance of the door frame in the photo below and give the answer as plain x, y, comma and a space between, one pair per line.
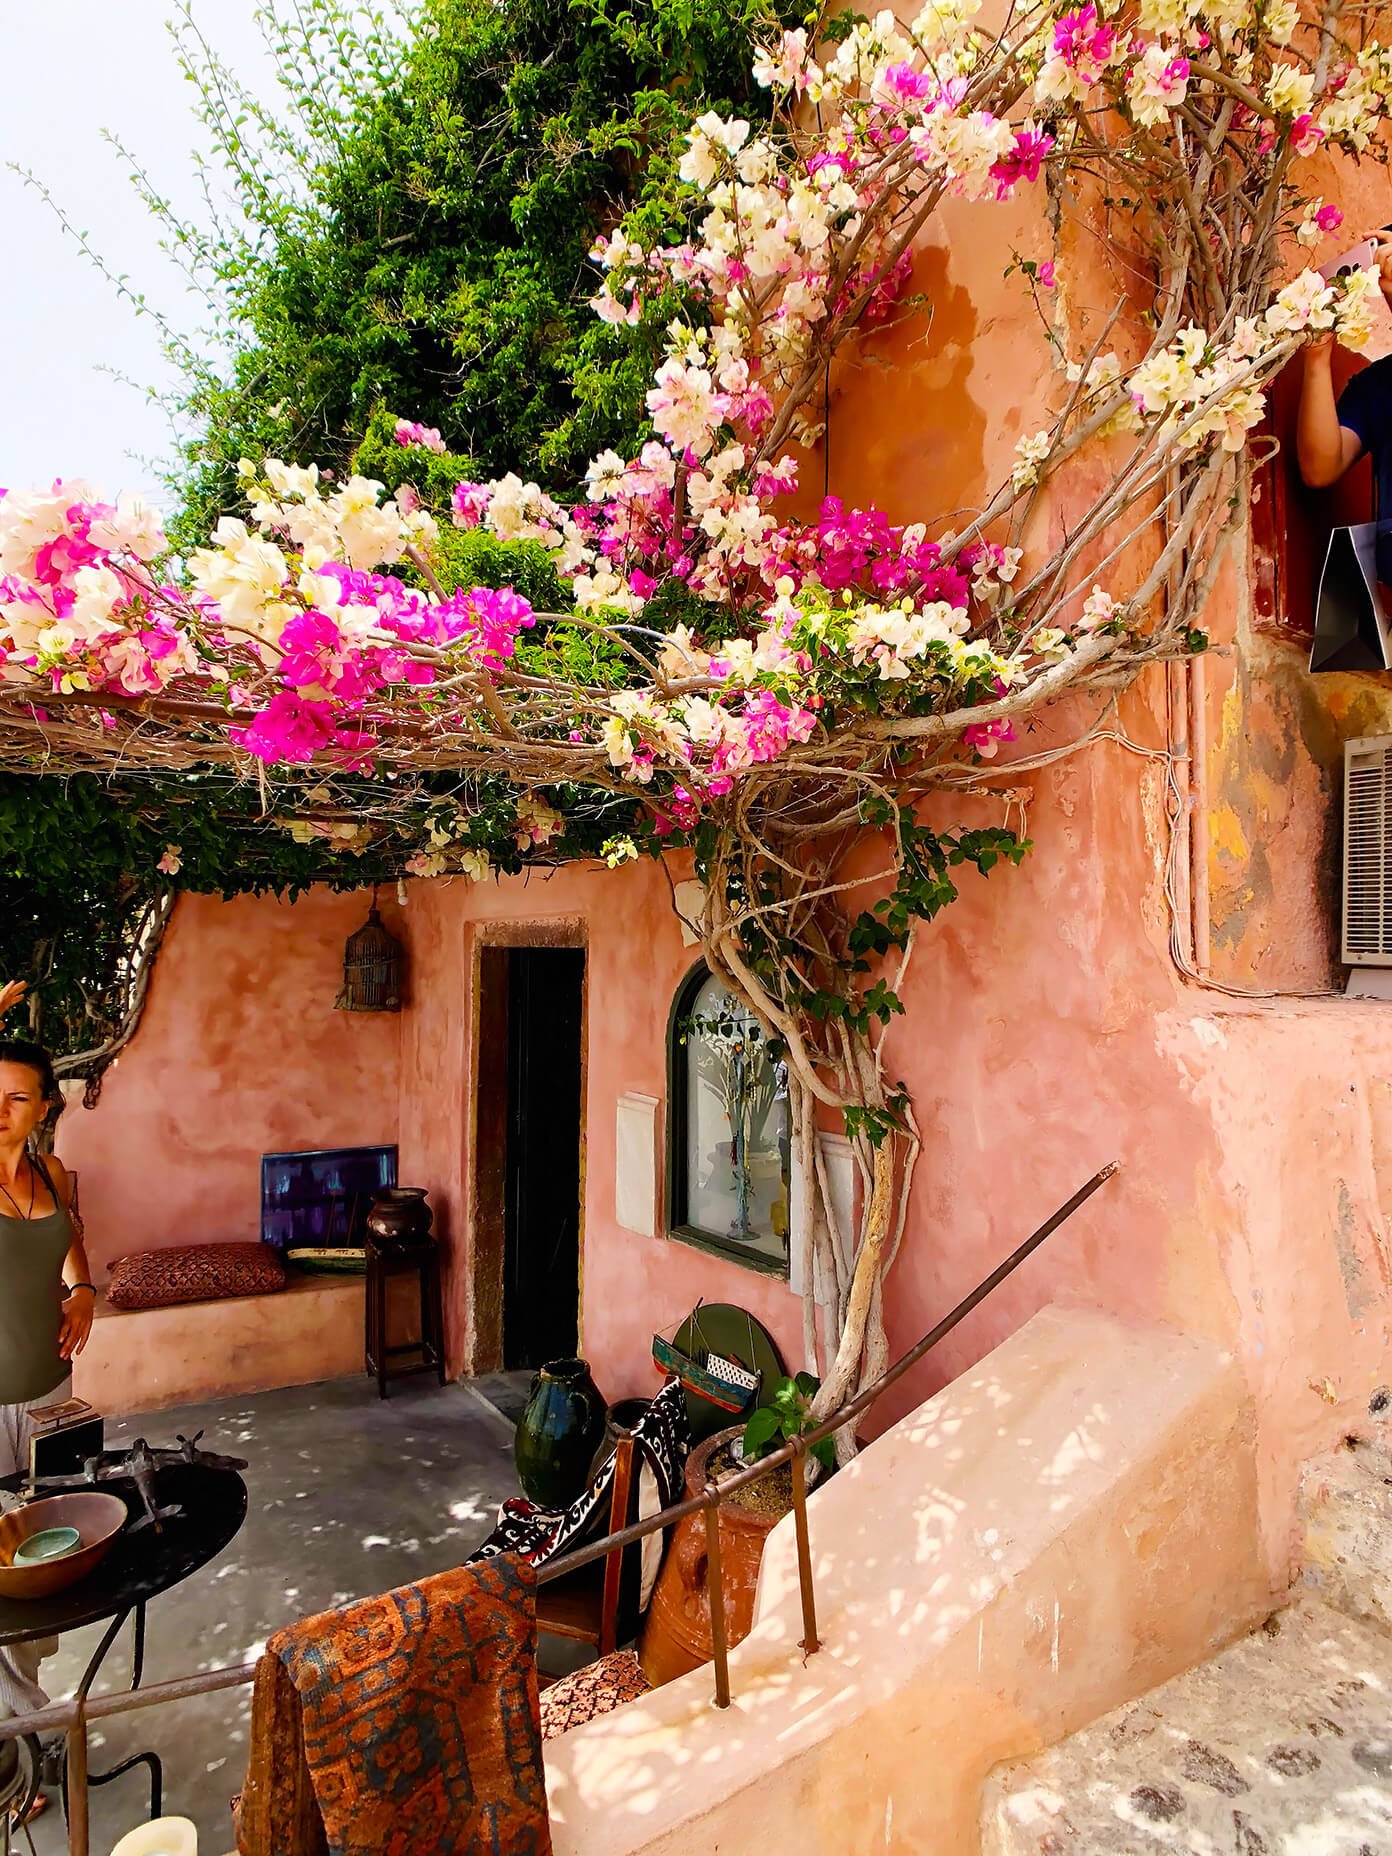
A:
487, 1069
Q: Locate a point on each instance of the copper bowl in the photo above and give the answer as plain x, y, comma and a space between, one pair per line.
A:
98, 1519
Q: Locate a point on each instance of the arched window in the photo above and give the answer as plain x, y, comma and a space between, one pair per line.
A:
728, 1139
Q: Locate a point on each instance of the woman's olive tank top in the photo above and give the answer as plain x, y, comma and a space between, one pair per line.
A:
31, 1294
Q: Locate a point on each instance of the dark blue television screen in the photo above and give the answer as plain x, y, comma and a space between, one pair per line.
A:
320, 1199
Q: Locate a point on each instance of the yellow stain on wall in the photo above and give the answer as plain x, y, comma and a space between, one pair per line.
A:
1226, 838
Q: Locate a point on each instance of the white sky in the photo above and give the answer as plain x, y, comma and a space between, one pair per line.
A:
69, 69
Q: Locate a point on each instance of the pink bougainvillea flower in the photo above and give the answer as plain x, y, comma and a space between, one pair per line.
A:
470, 502
986, 737
901, 80
1023, 161
1081, 39
289, 728
410, 432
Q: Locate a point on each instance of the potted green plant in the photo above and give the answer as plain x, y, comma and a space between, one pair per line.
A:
787, 1415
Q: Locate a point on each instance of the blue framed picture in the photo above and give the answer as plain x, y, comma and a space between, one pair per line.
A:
319, 1199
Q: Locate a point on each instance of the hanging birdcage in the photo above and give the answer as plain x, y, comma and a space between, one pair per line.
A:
371, 968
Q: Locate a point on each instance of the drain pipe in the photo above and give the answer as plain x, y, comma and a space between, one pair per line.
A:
1178, 854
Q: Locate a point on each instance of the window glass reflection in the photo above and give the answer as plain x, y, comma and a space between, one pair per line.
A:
737, 1128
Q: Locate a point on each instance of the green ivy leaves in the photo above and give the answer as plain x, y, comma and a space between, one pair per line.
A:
787, 1415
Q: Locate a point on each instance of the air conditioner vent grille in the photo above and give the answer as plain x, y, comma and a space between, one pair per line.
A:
1368, 852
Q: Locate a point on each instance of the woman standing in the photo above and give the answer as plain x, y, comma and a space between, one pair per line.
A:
46, 1294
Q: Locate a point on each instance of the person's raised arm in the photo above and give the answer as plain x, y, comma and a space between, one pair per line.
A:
11, 992
1325, 449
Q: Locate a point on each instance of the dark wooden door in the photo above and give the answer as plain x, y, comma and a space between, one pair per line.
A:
541, 1254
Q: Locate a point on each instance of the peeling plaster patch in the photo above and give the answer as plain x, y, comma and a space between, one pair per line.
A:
1357, 1293
1278, 758
1209, 1033
1226, 837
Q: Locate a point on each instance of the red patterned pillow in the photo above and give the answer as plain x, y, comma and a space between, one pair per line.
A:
194, 1273
592, 1690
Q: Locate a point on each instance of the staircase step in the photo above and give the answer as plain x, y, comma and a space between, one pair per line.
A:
1280, 1746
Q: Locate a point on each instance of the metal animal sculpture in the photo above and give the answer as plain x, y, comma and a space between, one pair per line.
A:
140, 1465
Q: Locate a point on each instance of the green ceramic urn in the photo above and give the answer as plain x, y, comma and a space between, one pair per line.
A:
560, 1431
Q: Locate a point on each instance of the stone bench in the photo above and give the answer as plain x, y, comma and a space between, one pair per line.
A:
143, 1359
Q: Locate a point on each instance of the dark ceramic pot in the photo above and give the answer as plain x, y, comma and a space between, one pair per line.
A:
400, 1217
559, 1433
619, 1421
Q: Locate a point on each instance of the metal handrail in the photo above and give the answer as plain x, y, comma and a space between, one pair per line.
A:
74, 1715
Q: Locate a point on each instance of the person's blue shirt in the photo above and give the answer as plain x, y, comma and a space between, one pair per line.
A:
1365, 407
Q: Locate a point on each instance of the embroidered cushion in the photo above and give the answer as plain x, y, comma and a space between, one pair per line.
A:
587, 1693
194, 1273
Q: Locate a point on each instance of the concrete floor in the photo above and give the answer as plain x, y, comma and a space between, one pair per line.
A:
349, 1495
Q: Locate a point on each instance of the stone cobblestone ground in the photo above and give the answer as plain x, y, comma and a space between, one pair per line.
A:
1280, 1746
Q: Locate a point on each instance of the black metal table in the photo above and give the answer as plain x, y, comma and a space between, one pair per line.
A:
142, 1564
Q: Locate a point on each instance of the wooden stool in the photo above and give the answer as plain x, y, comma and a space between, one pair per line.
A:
383, 1262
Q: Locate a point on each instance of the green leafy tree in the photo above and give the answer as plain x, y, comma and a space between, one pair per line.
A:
414, 236
404, 231
86, 901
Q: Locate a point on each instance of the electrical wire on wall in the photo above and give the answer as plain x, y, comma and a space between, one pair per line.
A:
1016, 805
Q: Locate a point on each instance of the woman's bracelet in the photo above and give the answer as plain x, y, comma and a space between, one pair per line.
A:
73, 1288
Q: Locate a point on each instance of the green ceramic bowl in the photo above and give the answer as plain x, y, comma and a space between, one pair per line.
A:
50, 1543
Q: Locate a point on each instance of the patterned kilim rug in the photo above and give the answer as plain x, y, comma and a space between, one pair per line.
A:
418, 1725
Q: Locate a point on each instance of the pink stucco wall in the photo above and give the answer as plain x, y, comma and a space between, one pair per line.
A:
240, 1052
1047, 1029
1046, 1033
634, 961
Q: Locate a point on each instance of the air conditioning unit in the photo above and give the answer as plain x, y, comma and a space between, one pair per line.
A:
1367, 926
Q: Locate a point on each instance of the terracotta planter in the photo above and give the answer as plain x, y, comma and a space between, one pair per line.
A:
676, 1633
